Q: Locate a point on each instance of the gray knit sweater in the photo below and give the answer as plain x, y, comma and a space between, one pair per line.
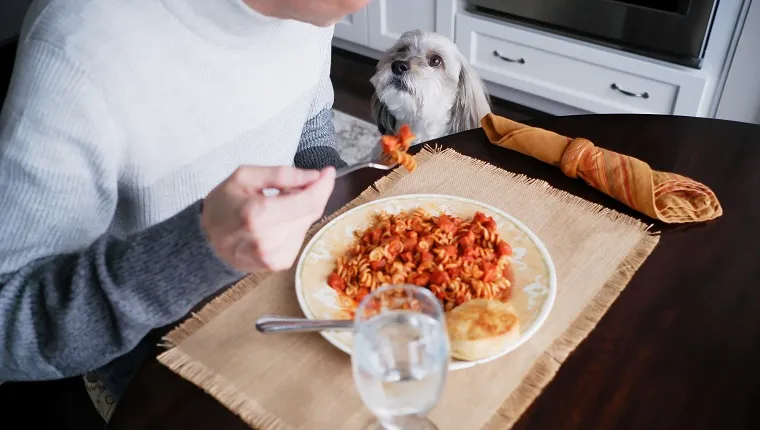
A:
120, 117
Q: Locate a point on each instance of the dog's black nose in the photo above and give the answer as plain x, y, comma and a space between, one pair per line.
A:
399, 67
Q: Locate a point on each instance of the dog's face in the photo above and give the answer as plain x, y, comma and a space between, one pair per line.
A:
424, 78
419, 67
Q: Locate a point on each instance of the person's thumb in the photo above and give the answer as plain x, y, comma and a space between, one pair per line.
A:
256, 178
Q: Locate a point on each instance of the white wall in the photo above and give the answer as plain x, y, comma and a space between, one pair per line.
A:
740, 100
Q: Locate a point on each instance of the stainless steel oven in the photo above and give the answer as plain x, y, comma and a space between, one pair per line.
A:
672, 30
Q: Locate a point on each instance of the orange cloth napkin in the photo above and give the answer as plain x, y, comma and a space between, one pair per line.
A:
668, 197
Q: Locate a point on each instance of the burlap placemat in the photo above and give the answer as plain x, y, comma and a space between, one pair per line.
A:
300, 381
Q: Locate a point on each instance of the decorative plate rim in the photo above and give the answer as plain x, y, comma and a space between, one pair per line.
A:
454, 364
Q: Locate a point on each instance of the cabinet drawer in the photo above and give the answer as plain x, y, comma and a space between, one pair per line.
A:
559, 73
574, 74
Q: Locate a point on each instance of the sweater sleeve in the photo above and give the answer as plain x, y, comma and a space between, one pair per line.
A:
317, 147
73, 298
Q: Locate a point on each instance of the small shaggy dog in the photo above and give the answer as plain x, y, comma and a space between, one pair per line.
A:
424, 81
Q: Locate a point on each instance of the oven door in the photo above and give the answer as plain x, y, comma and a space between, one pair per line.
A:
675, 30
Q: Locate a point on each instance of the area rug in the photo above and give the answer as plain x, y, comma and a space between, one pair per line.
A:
355, 137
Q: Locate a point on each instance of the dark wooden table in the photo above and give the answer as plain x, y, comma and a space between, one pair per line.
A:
680, 348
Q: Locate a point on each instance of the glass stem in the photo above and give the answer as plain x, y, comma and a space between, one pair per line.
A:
404, 422
394, 423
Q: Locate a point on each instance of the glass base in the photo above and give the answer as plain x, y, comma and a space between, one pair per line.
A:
410, 422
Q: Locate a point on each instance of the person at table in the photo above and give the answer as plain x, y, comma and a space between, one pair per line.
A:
128, 187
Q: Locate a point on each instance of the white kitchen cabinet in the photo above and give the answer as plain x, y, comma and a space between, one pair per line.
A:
740, 100
379, 25
353, 28
389, 19
585, 77
562, 75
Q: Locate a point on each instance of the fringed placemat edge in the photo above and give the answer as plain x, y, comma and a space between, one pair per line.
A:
549, 362
222, 390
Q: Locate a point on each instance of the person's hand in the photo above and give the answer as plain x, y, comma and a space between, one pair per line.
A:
252, 232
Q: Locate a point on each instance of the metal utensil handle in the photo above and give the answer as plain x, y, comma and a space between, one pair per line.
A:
644, 95
348, 169
274, 324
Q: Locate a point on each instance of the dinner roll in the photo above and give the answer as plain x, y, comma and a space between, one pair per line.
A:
481, 328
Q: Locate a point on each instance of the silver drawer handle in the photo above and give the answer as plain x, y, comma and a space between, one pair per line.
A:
644, 95
511, 60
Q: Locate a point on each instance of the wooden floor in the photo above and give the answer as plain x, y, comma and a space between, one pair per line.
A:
350, 76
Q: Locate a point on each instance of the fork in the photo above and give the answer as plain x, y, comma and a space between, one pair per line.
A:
371, 164
374, 164
277, 324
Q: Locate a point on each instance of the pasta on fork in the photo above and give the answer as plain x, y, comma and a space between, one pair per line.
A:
396, 147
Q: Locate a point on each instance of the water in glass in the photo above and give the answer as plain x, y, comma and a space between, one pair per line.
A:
400, 359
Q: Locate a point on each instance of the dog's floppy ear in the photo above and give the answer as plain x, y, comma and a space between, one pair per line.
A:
471, 102
386, 122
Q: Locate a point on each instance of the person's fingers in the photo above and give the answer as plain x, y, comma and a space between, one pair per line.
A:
277, 243
311, 200
265, 215
318, 192
256, 178
322, 189
274, 227
281, 257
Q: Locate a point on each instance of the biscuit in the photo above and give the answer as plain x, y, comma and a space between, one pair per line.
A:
481, 328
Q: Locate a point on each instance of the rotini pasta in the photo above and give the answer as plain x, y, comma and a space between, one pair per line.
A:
457, 259
395, 147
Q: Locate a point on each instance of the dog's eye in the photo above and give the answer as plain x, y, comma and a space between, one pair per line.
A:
435, 61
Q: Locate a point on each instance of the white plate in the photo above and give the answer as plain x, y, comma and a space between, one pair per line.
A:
533, 292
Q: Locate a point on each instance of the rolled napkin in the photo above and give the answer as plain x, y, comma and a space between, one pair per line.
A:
668, 197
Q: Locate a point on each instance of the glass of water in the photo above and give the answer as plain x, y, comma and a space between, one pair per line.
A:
400, 355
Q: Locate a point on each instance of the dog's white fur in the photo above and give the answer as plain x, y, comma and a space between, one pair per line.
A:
434, 100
